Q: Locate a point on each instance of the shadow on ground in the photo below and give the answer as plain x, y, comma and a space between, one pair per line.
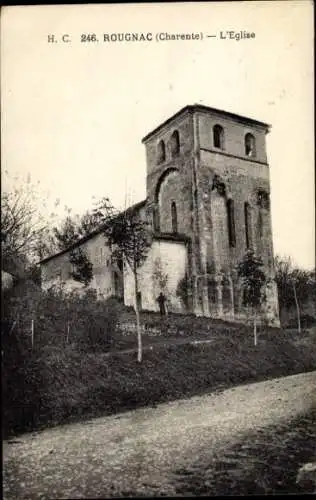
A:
265, 462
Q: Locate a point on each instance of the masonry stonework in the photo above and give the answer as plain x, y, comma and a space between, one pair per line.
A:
202, 181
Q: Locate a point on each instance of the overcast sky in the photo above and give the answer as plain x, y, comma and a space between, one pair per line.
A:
74, 114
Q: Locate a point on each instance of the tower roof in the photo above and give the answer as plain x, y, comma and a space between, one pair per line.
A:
192, 108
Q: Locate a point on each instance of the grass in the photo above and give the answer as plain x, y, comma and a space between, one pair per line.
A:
157, 329
264, 462
59, 385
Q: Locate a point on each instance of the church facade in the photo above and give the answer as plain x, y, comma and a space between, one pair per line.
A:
208, 201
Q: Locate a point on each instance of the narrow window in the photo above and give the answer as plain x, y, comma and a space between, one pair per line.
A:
250, 145
156, 221
247, 225
218, 137
260, 224
175, 143
174, 217
231, 223
161, 152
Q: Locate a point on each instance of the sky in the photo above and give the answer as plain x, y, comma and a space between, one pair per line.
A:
74, 114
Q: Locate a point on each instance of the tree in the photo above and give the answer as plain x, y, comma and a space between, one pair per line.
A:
66, 233
183, 290
69, 232
82, 267
295, 286
130, 239
161, 278
254, 281
21, 221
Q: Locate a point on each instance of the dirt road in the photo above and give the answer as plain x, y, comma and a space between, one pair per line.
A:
138, 451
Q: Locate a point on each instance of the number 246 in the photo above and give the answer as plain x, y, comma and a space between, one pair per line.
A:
91, 37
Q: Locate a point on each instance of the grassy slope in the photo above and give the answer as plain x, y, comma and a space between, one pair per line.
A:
63, 385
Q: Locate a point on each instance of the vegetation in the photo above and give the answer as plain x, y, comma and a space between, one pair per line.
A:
69, 374
254, 280
160, 277
130, 239
82, 267
183, 291
21, 224
297, 292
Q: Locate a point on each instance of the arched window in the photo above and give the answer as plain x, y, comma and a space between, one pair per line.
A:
231, 223
218, 137
250, 145
161, 152
248, 225
174, 217
175, 143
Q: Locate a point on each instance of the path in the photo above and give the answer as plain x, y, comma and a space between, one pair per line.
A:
160, 343
138, 451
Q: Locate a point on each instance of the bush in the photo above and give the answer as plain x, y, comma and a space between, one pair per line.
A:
99, 321
59, 319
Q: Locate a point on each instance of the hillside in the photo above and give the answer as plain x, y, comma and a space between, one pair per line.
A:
61, 384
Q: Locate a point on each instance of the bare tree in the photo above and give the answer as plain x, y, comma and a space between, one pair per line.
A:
21, 222
295, 286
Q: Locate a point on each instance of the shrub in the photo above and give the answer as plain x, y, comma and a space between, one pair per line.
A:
99, 321
183, 291
59, 319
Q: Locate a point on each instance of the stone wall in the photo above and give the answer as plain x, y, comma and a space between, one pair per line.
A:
228, 175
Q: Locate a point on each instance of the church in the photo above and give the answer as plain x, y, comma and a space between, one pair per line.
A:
208, 202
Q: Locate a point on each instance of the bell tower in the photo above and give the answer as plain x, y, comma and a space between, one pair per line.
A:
208, 180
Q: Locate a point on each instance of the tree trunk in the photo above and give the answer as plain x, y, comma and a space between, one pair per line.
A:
255, 328
297, 309
139, 334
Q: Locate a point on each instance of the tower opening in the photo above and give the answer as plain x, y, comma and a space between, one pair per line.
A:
174, 217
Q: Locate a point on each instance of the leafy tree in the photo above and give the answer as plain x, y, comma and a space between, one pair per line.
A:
254, 281
71, 230
183, 290
82, 267
130, 239
67, 234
